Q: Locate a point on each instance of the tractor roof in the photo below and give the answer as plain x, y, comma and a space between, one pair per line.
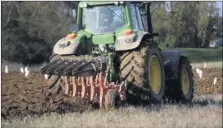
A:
96, 3
92, 3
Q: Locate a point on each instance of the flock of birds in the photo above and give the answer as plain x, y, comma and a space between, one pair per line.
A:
200, 73
26, 72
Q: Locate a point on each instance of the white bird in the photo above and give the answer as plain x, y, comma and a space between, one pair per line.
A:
26, 69
199, 72
6, 69
215, 80
205, 64
21, 70
26, 73
46, 76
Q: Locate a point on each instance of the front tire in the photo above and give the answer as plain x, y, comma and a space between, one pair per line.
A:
182, 88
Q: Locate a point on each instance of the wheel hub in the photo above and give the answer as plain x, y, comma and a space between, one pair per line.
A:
185, 81
155, 74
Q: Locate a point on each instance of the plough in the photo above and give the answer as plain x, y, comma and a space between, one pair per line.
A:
85, 79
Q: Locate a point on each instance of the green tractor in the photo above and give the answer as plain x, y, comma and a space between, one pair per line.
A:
112, 57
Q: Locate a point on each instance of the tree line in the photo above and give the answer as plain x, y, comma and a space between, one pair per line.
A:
187, 24
30, 29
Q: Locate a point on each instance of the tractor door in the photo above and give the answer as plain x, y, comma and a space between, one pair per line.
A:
136, 18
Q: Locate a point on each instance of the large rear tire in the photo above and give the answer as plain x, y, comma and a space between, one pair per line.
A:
53, 81
182, 88
143, 67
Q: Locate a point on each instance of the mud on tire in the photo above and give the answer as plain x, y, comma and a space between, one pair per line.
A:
134, 68
53, 81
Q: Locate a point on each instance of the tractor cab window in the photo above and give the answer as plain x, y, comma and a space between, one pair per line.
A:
103, 19
136, 17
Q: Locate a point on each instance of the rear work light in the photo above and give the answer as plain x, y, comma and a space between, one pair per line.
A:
71, 36
128, 32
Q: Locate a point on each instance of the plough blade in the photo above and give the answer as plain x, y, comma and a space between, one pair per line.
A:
64, 68
92, 88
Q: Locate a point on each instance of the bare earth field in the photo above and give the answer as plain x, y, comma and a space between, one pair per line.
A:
24, 103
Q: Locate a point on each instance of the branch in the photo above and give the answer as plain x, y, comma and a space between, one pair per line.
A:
32, 16
9, 17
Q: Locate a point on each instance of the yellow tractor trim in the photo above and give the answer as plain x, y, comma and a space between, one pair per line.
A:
185, 81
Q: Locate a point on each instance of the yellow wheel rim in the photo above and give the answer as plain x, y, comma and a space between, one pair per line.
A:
185, 81
155, 74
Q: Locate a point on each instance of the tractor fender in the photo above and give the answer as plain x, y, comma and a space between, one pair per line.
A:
68, 47
171, 60
122, 43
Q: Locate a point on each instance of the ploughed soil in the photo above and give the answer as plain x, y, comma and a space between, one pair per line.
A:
23, 96
205, 85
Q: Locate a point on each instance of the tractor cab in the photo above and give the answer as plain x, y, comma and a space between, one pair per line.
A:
111, 24
113, 17
109, 17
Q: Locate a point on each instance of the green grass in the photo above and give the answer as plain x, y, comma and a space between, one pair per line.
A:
212, 64
203, 54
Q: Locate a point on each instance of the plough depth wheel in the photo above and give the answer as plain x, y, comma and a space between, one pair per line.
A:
112, 99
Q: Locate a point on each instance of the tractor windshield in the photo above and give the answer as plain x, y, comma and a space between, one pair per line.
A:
103, 19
